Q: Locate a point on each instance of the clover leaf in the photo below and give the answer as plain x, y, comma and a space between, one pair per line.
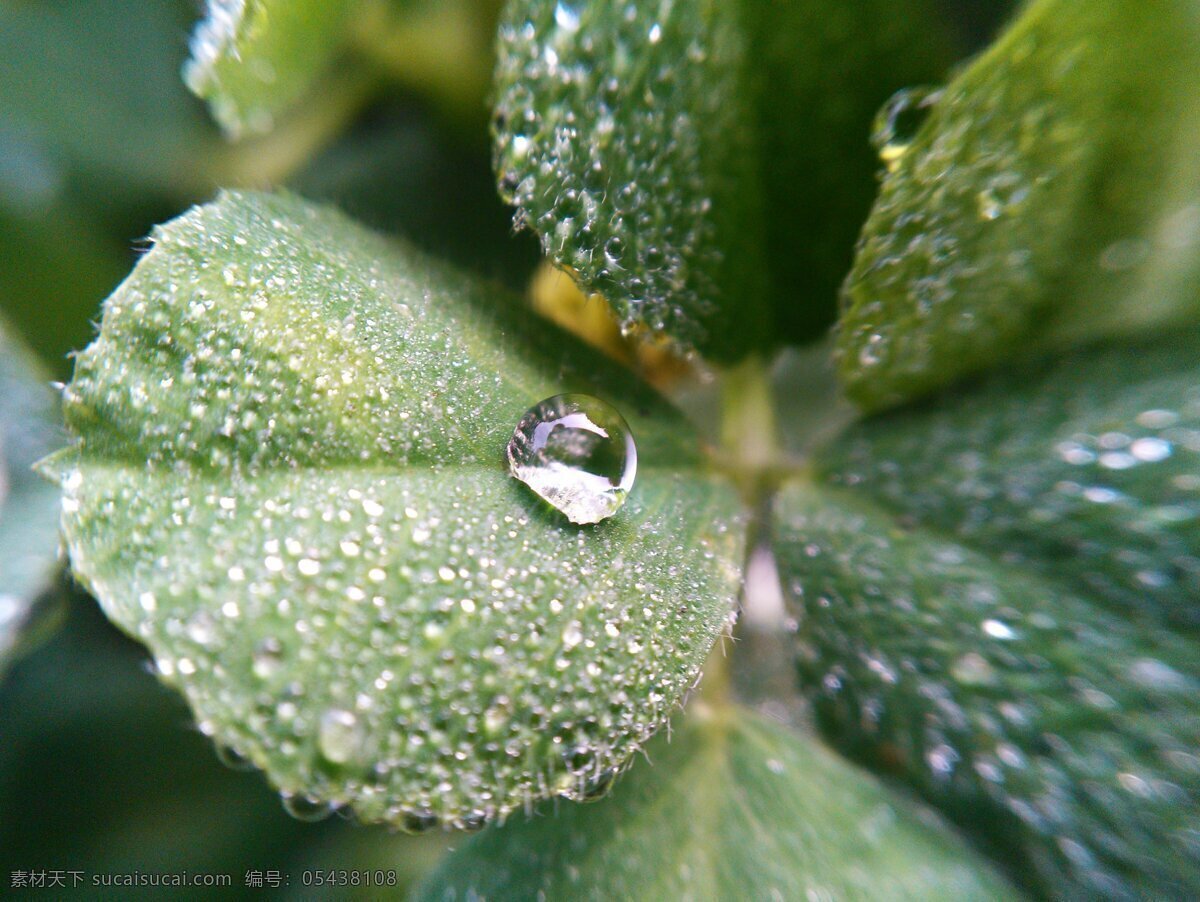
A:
289, 481
1052, 197
996, 597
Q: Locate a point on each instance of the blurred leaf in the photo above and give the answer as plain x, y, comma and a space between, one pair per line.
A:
28, 506
731, 807
1086, 470
255, 59
404, 172
441, 50
55, 268
961, 634
98, 138
625, 138
696, 162
92, 86
290, 483
1052, 196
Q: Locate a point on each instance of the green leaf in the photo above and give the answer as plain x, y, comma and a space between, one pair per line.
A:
255, 59
624, 138
28, 506
1051, 197
984, 604
1086, 470
732, 807
698, 162
290, 483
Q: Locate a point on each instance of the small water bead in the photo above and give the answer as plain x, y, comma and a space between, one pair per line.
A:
233, 759
419, 821
306, 808
897, 122
339, 736
578, 453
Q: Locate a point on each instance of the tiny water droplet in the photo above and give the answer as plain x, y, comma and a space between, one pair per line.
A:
421, 821
566, 17
578, 453
897, 122
233, 759
306, 808
472, 822
597, 788
268, 658
339, 736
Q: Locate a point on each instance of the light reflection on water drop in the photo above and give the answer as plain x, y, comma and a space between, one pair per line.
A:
897, 122
578, 453
304, 808
339, 736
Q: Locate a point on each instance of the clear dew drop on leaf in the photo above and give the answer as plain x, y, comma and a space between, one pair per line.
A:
578, 453
897, 122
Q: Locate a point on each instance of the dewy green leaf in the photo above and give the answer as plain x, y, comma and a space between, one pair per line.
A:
1087, 470
254, 59
731, 807
28, 506
290, 482
624, 138
1052, 196
690, 160
986, 603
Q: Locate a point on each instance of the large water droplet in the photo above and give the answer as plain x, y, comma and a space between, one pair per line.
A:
897, 122
578, 453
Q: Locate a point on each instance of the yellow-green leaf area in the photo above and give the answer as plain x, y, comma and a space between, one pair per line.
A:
289, 482
252, 60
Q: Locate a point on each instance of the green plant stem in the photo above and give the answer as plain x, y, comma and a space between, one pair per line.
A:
749, 440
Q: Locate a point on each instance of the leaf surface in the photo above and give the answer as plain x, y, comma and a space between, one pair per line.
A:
731, 806
1051, 197
624, 139
1086, 470
997, 602
290, 483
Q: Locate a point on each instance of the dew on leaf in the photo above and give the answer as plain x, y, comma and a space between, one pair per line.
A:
306, 808
233, 759
578, 453
339, 736
418, 822
897, 122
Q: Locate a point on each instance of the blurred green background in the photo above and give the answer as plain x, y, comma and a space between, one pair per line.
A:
101, 768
